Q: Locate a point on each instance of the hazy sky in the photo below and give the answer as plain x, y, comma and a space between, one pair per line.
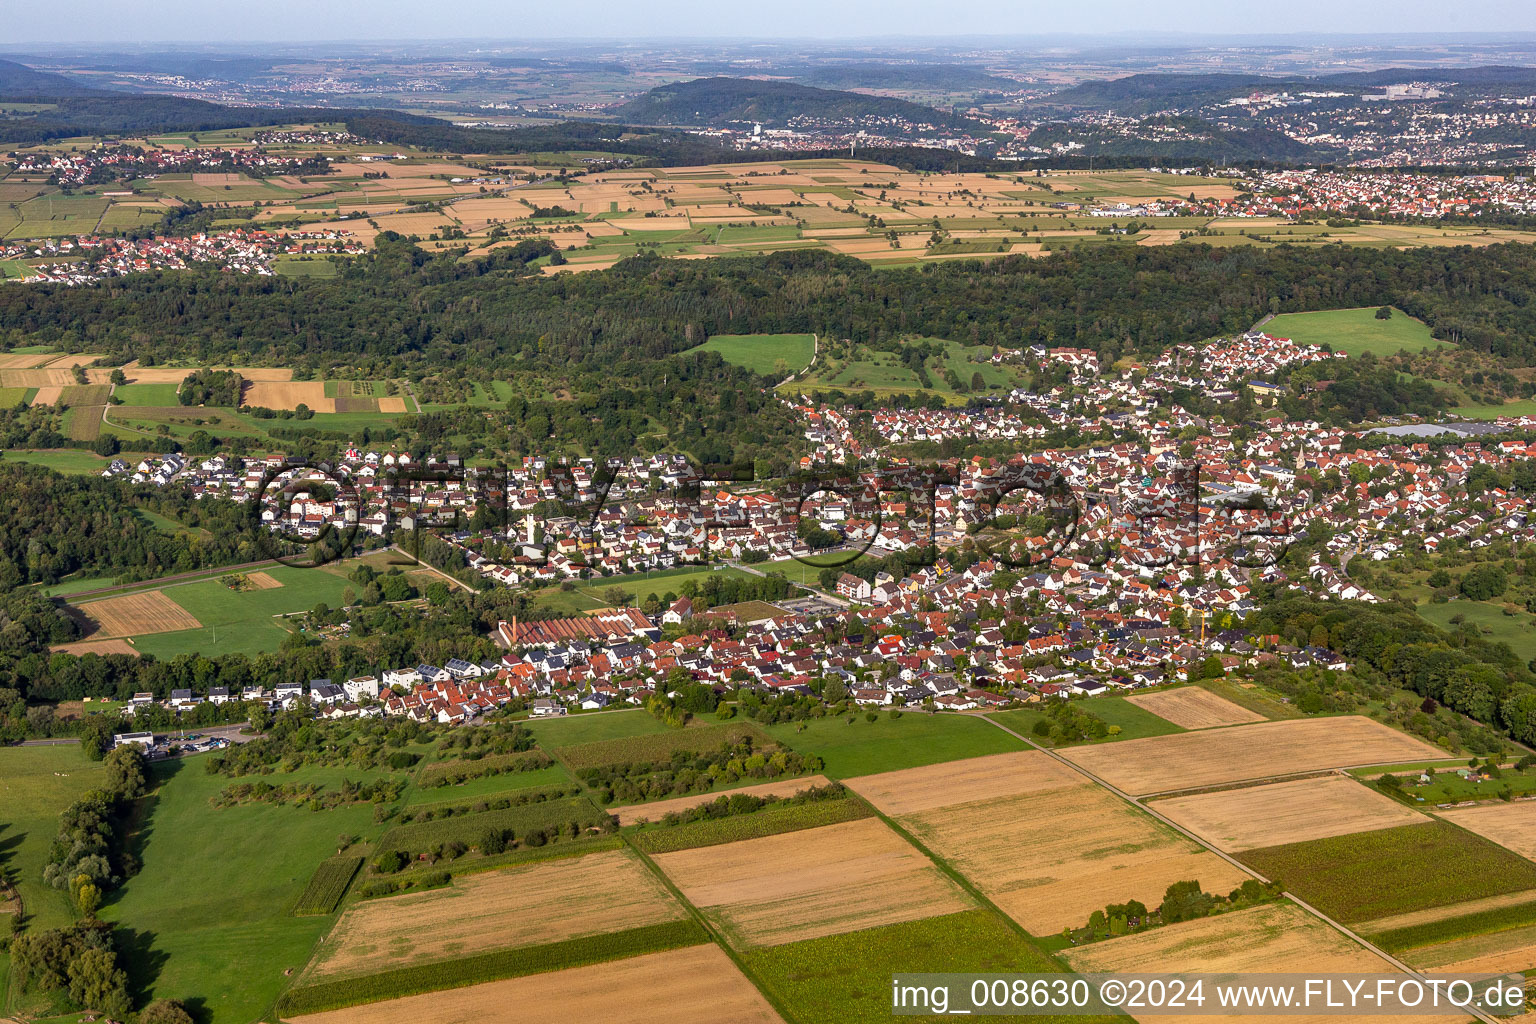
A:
99, 21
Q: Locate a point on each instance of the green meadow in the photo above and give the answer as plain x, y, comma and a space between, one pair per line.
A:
1355, 331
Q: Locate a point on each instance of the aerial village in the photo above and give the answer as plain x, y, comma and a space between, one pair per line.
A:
998, 616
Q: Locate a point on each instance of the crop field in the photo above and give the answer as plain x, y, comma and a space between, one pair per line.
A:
529, 905
694, 985
137, 614
289, 395
212, 619
852, 746
327, 886
1511, 825
766, 354
846, 979
1497, 951
704, 211
1369, 875
1192, 707
925, 788
770, 821
1505, 927
657, 746
655, 811
1193, 760
1355, 331
1274, 938
1086, 846
804, 884
1286, 812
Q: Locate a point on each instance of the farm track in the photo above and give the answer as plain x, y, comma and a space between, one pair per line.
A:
1481, 1015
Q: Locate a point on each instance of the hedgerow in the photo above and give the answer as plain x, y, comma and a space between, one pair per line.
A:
451, 773
658, 746
769, 821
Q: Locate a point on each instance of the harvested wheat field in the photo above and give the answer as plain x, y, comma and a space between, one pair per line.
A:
48, 396
519, 906
819, 881
1511, 825
696, 985
396, 404
1194, 708
1051, 857
1287, 812
1192, 760
262, 581
655, 811
99, 647
974, 779
23, 360
287, 395
136, 614
1277, 938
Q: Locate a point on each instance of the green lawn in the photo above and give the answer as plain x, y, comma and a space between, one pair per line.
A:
161, 395
65, 460
10, 398
1354, 331
763, 353
207, 916
570, 730
916, 738
1370, 875
75, 584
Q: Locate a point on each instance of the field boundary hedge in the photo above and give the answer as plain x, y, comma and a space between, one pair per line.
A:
660, 746
494, 966
769, 821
